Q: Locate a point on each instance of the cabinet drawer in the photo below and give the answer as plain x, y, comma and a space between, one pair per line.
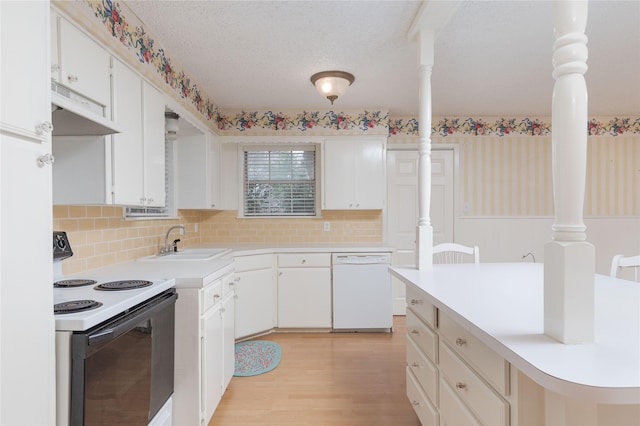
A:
452, 409
423, 337
488, 406
417, 301
211, 295
488, 363
252, 263
424, 370
304, 260
426, 412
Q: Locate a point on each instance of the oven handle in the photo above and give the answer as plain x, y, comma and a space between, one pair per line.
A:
130, 320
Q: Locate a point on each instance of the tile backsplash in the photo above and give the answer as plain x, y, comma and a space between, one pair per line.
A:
100, 236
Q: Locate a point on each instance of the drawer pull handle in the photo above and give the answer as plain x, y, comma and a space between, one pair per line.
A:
415, 332
216, 296
304, 261
415, 365
460, 385
415, 302
414, 402
460, 341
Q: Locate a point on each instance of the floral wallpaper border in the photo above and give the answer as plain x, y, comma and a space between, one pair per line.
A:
135, 38
509, 126
244, 121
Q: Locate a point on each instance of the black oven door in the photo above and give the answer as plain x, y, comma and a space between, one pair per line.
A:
122, 369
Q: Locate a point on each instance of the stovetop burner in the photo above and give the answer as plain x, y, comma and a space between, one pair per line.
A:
73, 283
75, 306
123, 285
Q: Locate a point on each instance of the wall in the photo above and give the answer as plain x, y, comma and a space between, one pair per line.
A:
503, 181
99, 236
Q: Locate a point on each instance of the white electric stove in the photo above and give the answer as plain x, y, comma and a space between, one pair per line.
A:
114, 346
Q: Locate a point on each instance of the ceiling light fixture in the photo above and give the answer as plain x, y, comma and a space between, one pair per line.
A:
332, 84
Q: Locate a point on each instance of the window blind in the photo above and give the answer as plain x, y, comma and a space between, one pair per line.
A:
280, 182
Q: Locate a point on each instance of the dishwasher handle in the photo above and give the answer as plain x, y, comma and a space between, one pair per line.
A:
352, 259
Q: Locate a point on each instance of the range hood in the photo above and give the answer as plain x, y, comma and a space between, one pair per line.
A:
74, 115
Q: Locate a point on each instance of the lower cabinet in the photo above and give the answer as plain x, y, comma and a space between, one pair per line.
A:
452, 378
255, 310
304, 290
204, 349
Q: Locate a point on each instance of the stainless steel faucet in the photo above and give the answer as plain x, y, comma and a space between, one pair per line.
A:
165, 249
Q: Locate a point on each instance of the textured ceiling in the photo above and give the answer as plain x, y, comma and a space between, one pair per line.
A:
493, 57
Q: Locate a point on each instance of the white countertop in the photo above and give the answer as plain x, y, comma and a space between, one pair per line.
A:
502, 304
188, 273
197, 273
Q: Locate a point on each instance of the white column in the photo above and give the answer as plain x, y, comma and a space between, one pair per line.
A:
569, 260
424, 232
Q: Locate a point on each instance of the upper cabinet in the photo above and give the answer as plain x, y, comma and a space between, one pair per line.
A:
79, 63
138, 153
25, 107
354, 173
198, 168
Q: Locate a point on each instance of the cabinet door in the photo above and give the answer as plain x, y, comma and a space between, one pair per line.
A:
304, 297
27, 364
127, 147
369, 178
228, 344
214, 201
154, 146
85, 66
24, 52
338, 175
255, 305
211, 361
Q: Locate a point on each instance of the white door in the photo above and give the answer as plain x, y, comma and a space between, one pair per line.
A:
402, 213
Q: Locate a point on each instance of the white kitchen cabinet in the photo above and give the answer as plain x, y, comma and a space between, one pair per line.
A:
138, 157
79, 63
25, 109
27, 364
126, 168
304, 290
204, 348
256, 290
153, 107
354, 173
198, 163
448, 368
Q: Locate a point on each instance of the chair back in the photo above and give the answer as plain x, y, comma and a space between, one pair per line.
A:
454, 253
620, 263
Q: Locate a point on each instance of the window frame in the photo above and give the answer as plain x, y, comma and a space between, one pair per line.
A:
282, 146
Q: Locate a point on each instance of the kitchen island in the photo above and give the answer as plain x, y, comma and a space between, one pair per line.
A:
478, 331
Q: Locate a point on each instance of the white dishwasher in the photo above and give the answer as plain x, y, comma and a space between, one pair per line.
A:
362, 292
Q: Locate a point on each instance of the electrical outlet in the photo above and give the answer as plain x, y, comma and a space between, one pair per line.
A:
327, 226
195, 227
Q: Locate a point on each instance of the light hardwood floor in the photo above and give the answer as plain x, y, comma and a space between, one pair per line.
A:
326, 379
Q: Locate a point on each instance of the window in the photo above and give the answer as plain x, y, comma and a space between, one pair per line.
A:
280, 181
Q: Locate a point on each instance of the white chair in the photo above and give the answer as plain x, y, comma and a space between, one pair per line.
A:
454, 253
620, 262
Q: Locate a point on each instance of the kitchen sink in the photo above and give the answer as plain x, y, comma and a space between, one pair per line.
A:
195, 254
